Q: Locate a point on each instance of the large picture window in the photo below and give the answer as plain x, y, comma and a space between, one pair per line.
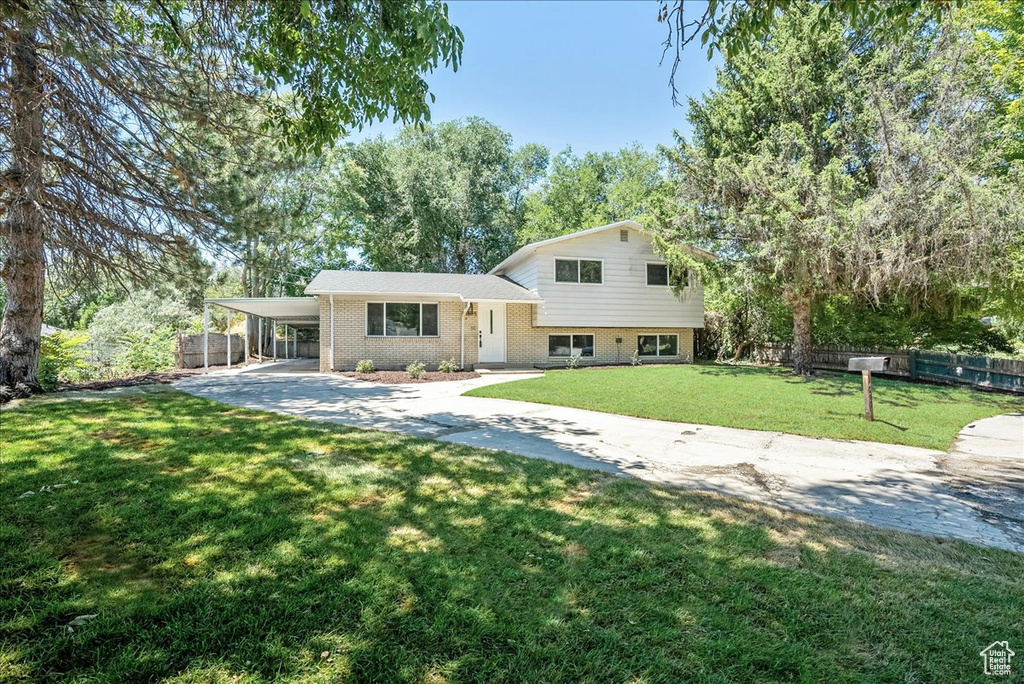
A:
657, 345
589, 271
400, 319
570, 345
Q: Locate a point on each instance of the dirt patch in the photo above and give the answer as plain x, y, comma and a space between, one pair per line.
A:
401, 377
162, 378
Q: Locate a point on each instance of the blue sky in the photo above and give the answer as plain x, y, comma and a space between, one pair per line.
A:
583, 74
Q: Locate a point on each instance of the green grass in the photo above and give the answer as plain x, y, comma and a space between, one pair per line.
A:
217, 544
828, 405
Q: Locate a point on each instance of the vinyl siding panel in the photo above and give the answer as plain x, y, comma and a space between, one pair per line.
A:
623, 300
524, 274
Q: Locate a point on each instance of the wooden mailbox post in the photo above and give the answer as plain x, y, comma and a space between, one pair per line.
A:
866, 364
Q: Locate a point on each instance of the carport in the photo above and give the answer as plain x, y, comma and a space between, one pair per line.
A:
291, 313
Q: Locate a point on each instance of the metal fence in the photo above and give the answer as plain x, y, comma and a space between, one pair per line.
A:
979, 371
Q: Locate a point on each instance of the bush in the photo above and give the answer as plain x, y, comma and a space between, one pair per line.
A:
62, 358
146, 352
416, 370
573, 362
365, 366
448, 366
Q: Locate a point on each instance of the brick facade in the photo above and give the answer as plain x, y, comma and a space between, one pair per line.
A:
527, 345
351, 343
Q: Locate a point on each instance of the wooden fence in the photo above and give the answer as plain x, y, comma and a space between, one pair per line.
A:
979, 371
188, 352
833, 358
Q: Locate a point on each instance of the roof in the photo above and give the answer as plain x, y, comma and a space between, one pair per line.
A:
526, 250
295, 311
476, 288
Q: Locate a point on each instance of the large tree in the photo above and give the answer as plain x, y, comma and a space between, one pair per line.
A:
95, 92
597, 188
826, 163
446, 198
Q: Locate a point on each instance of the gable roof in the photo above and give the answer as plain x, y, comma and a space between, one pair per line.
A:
526, 250
476, 288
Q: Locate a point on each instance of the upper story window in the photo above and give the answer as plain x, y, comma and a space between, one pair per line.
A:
660, 275
579, 271
401, 319
657, 274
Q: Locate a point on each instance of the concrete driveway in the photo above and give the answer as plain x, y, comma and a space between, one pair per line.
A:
975, 492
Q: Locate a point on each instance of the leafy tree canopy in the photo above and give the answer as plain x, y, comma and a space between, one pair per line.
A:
446, 198
595, 189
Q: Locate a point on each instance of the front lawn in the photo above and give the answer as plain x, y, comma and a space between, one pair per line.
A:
215, 544
828, 405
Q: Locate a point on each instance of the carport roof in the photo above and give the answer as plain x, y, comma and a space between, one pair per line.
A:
294, 311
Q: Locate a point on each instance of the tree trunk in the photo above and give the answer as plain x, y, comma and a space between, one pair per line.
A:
23, 269
802, 348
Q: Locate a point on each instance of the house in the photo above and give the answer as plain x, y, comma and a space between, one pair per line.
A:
599, 295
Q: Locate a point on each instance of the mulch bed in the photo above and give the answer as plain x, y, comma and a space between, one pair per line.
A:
162, 378
401, 377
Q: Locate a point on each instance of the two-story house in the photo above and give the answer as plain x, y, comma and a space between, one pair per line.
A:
601, 294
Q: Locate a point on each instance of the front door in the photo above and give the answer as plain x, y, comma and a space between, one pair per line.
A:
491, 326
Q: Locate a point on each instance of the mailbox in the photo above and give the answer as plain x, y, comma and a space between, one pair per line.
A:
869, 363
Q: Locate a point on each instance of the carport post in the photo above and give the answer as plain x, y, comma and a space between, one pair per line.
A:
295, 343
245, 354
331, 366
206, 335
259, 338
228, 325
273, 336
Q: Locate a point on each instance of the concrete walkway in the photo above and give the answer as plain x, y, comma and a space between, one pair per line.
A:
974, 493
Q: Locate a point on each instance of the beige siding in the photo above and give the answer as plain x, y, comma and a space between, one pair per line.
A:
528, 344
624, 300
524, 274
351, 343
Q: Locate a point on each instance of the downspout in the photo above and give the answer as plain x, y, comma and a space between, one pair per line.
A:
462, 337
332, 332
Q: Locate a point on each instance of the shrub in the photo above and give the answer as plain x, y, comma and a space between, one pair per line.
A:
636, 361
365, 366
573, 362
146, 352
448, 366
62, 358
416, 370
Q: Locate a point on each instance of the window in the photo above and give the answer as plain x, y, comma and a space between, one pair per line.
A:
657, 274
570, 345
657, 345
579, 271
397, 319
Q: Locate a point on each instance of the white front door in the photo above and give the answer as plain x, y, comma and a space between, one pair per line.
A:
491, 326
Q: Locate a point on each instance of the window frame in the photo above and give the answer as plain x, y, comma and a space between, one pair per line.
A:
571, 345
384, 303
554, 270
668, 273
657, 346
